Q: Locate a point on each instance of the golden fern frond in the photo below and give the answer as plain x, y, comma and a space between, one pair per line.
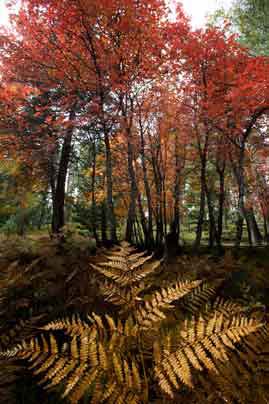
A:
247, 379
124, 274
124, 249
204, 345
89, 360
124, 264
226, 307
120, 296
150, 311
200, 296
241, 379
72, 326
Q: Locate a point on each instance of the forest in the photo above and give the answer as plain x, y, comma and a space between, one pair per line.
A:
134, 203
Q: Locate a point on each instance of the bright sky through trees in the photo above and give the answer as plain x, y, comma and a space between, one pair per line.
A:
3, 13
199, 9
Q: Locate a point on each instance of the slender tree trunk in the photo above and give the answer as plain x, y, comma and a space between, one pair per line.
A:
142, 219
159, 204
58, 218
212, 222
133, 189
258, 234
138, 232
104, 223
52, 182
241, 195
164, 208
255, 236
221, 204
94, 210
109, 178
266, 228
175, 226
159, 213
199, 228
150, 237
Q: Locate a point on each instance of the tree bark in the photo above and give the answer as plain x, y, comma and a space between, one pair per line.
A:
221, 172
133, 190
175, 226
93, 179
212, 222
109, 178
150, 237
266, 228
58, 218
254, 233
142, 218
103, 224
203, 158
241, 194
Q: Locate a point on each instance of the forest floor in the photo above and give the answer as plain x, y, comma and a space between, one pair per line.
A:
41, 280
246, 269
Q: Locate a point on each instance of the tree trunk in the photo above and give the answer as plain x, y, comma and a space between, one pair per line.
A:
94, 210
255, 236
142, 218
58, 219
133, 190
175, 226
239, 174
212, 222
199, 228
150, 237
164, 207
159, 205
104, 224
221, 204
109, 178
266, 228
159, 213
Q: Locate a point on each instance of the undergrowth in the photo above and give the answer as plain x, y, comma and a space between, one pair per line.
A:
123, 327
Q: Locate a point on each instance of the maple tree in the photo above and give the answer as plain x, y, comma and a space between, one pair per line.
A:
163, 118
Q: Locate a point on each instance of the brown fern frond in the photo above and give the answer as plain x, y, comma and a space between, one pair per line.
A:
123, 276
92, 357
151, 311
126, 267
72, 326
200, 296
225, 307
204, 345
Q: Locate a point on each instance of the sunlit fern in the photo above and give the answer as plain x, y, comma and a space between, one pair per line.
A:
213, 352
124, 275
203, 345
91, 359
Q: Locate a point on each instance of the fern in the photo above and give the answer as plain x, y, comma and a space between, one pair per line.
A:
93, 359
124, 274
203, 343
211, 350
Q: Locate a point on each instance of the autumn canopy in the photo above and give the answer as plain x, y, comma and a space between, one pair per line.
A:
119, 116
